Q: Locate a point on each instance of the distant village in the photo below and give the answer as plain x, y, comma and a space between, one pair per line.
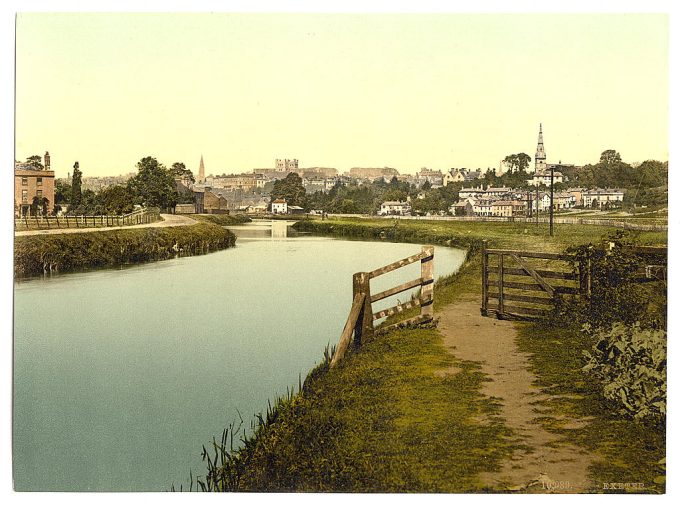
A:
251, 193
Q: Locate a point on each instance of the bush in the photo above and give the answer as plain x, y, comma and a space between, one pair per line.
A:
630, 362
617, 295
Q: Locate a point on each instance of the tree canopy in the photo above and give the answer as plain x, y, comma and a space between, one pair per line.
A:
153, 185
36, 162
290, 189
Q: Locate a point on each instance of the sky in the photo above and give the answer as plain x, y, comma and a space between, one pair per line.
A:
338, 90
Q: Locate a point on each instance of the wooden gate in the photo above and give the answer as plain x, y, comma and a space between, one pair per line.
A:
359, 323
522, 285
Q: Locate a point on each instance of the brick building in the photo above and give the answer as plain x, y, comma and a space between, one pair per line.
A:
33, 184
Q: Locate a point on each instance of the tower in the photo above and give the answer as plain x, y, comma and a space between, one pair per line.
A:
47, 161
201, 171
540, 152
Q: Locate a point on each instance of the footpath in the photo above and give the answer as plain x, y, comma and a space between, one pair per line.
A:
169, 220
543, 462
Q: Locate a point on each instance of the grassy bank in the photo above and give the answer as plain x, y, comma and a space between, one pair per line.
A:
221, 220
402, 414
35, 255
470, 234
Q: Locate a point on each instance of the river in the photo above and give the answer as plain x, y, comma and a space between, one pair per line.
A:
120, 376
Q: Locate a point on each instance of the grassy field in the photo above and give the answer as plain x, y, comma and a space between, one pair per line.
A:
389, 419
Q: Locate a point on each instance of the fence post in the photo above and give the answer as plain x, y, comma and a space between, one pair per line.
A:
501, 303
427, 286
485, 279
363, 330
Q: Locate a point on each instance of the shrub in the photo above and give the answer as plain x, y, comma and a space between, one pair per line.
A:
630, 362
617, 295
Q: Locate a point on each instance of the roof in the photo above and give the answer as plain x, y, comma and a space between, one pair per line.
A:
279, 201
394, 203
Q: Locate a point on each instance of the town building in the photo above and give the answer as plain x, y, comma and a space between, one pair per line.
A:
395, 208
373, 173
463, 207
279, 206
33, 186
508, 208
599, 198
543, 178
453, 176
286, 165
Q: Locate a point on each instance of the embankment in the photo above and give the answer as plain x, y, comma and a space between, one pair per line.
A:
36, 255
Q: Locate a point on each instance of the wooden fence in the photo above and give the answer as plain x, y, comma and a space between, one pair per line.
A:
359, 323
143, 216
514, 289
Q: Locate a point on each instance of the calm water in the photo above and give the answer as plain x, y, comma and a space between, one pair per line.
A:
122, 375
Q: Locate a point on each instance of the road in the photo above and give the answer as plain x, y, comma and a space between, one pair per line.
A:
169, 220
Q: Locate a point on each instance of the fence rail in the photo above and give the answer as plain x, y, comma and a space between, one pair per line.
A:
359, 324
143, 216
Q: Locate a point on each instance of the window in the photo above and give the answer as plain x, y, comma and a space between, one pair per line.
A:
24, 180
39, 193
24, 196
39, 180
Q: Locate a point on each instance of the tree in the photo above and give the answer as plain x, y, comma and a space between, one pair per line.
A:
36, 162
610, 157
153, 185
179, 170
115, 200
290, 189
76, 186
518, 162
62, 192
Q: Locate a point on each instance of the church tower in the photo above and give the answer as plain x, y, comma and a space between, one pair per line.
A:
201, 171
540, 152
47, 161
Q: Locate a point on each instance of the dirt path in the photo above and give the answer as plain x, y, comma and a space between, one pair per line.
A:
548, 462
169, 220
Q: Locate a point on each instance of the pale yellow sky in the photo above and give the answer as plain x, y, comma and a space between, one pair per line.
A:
399, 90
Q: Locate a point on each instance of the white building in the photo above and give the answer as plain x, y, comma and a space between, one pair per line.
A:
395, 208
279, 206
543, 178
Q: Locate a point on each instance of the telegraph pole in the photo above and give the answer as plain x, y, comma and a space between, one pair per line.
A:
552, 176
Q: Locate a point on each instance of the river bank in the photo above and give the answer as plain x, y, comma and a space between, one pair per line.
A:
41, 254
406, 414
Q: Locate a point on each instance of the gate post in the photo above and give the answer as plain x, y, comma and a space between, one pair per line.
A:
364, 327
427, 286
485, 279
501, 303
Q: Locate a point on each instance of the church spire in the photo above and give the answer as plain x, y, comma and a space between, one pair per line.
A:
201, 171
539, 160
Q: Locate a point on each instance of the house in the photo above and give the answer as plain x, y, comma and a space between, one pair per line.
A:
482, 207
598, 198
453, 176
279, 206
395, 208
185, 208
543, 178
214, 203
508, 208
464, 207
33, 185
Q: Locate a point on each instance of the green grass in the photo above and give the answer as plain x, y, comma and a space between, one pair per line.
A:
388, 419
629, 452
221, 219
520, 236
